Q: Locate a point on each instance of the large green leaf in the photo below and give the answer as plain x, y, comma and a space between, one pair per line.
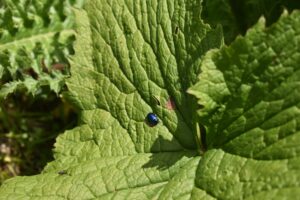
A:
250, 96
129, 51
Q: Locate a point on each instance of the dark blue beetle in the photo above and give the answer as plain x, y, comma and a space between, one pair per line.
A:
152, 119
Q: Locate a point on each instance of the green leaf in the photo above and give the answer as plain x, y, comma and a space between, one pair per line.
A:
34, 37
250, 97
127, 54
33, 86
221, 12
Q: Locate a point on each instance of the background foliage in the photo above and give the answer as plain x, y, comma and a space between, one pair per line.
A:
236, 17
35, 40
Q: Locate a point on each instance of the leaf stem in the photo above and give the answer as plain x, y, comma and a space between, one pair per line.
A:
198, 139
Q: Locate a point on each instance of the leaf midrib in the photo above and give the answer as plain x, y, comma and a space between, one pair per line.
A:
39, 37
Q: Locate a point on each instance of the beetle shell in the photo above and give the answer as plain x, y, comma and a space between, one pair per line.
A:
152, 119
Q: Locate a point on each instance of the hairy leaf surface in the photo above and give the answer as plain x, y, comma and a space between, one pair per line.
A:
250, 97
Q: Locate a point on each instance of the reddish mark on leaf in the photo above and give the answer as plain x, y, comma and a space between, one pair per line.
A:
58, 66
55, 66
171, 104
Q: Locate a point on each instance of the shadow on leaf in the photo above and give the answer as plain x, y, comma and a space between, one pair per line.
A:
166, 159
